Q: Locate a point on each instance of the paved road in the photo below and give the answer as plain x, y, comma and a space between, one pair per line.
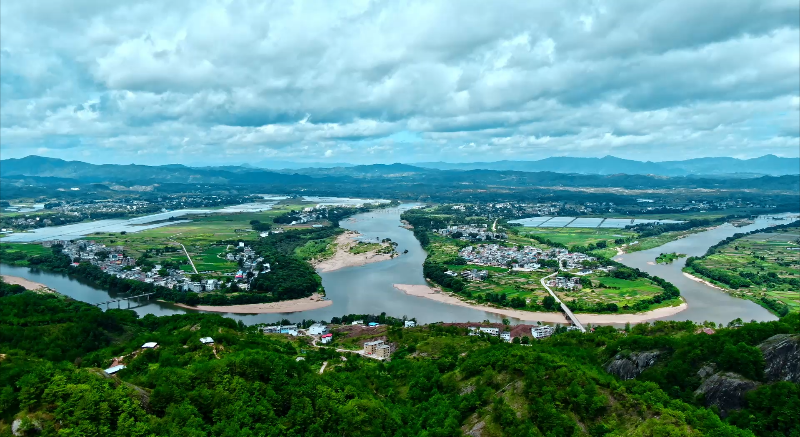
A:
564, 308
189, 258
323, 367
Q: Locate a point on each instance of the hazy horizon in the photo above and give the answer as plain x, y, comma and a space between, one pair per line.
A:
382, 82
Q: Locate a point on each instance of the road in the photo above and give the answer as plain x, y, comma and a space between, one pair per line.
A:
564, 308
323, 367
494, 226
189, 258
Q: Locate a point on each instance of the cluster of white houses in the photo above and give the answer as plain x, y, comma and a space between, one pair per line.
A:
522, 258
472, 232
113, 261
541, 331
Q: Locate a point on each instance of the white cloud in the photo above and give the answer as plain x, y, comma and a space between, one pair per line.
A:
223, 81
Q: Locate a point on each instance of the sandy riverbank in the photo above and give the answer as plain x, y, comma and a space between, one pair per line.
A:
313, 302
603, 319
703, 281
29, 285
435, 294
344, 258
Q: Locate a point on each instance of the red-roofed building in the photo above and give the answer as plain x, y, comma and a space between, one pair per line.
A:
326, 338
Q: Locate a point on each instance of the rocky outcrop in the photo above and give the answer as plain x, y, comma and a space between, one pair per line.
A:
782, 358
725, 391
630, 365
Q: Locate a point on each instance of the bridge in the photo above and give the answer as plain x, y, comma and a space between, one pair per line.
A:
118, 301
564, 308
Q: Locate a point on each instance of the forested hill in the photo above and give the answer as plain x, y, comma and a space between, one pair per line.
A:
439, 382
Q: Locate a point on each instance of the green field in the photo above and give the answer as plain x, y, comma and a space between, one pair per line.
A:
578, 236
23, 250
527, 285
204, 238
761, 255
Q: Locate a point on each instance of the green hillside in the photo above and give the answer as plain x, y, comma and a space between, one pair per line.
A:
439, 381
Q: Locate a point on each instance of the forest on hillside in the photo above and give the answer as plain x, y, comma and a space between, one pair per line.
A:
439, 382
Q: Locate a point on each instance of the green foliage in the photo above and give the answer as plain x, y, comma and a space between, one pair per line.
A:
252, 384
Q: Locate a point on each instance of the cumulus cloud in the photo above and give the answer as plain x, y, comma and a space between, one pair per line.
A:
383, 81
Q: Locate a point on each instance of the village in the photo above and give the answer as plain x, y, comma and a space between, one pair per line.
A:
522, 258
112, 260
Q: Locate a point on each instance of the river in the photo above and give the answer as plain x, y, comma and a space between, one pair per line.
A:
705, 302
369, 289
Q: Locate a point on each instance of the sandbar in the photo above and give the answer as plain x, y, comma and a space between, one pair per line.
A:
703, 281
28, 284
344, 258
553, 317
313, 302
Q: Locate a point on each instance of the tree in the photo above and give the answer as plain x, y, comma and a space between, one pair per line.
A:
506, 322
549, 302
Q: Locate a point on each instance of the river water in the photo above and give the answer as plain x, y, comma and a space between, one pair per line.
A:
369, 289
705, 302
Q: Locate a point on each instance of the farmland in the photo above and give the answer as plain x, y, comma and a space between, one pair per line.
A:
523, 289
756, 266
206, 238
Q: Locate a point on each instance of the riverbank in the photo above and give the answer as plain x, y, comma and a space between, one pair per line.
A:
344, 258
312, 302
552, 317
28, 284
703, 281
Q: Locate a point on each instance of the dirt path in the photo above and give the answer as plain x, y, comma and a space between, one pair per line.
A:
323, 367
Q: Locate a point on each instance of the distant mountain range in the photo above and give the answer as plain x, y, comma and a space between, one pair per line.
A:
607, 173
765, 165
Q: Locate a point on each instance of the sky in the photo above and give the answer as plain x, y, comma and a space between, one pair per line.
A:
232, 82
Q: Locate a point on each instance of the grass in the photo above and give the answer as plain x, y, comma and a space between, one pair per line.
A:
362, 247
317, 249
527, 285
203, 237
29, 249
579, 236
761, 254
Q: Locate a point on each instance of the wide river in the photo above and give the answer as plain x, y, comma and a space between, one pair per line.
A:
369, 289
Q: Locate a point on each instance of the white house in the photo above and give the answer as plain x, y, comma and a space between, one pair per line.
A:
410, 323
207, 340
542, 331
326, 338
490, 331
317, 329
506, 335
149, 345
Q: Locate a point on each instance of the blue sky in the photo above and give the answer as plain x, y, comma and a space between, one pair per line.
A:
213, 82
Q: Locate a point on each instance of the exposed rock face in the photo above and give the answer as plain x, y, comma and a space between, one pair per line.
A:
782, 357
629, 366
726, 391
706, 371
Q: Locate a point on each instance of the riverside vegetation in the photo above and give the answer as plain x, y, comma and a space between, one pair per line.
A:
621, 290
439, 382
288, 253
763, 266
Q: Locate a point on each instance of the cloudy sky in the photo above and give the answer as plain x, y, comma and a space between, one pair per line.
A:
209, 82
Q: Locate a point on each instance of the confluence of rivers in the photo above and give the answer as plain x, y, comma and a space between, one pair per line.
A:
369, 289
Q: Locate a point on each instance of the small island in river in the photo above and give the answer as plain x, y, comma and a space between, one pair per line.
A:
669, 258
